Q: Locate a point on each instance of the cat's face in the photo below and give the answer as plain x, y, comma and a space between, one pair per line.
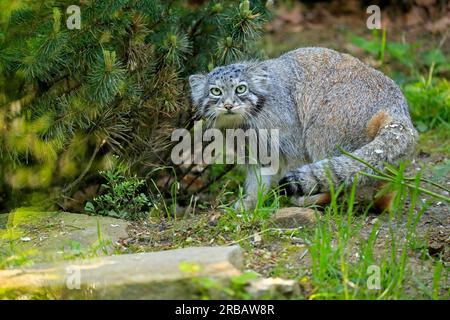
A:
229, 96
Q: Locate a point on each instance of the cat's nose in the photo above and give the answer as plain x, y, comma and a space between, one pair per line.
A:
228, 106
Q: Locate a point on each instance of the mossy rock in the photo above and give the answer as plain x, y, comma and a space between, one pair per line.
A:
171, 274
48, 236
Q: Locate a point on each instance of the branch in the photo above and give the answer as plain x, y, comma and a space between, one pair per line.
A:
86, 170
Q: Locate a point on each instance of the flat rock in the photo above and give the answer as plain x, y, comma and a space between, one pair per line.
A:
154, 275
270, 287
55, 235
294, 217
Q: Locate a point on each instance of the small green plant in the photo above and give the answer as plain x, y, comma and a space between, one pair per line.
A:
429, 102
122, 198
210, 288
428, 96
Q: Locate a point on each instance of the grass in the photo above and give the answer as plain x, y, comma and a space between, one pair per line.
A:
343, 250
342, 255
349, 254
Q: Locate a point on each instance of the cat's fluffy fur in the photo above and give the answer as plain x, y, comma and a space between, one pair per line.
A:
319, 99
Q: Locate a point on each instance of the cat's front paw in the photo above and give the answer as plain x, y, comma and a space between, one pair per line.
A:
290, 185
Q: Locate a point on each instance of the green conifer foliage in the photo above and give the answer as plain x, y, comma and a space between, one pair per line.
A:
70, 99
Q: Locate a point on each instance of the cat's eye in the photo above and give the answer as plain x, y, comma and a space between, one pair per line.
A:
241, 88
216, 91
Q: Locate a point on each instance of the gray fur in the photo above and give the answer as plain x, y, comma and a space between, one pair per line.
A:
319, 99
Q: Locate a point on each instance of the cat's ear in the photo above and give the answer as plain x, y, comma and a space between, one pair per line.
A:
259, 76
197, 83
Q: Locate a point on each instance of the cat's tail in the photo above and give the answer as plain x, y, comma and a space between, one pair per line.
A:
393, 141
